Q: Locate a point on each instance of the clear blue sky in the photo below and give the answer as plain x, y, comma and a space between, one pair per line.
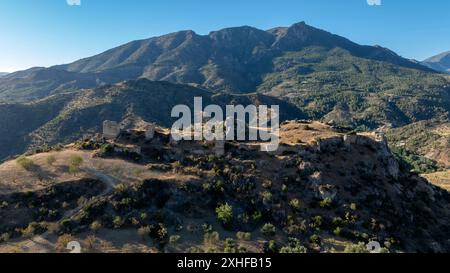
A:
49, 32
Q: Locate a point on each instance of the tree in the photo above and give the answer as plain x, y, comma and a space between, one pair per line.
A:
225, 213
268, 229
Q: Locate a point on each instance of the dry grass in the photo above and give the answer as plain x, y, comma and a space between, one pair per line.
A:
440, 179
303, 133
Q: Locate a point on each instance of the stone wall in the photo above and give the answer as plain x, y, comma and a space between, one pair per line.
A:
111, 129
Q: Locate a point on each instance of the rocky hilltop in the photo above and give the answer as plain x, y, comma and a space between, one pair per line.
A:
137, 190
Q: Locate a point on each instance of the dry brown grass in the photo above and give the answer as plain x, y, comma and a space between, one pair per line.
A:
440, 179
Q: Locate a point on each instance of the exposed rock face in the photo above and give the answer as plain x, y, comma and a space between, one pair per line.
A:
111, 129
378, 143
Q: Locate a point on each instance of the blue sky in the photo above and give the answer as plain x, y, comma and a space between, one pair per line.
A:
49, 32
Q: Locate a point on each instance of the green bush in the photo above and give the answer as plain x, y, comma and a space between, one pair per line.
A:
96, 226
294, 246
295, 204
25, 163
257, 216
356, 248
229, 246
211, 238
326, 203
225, 213
244, 236
75, 164
337, 231
118, 222
317, 221
315, 239
268, 229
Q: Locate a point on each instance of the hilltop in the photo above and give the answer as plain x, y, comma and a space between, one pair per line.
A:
323, 190
64, 118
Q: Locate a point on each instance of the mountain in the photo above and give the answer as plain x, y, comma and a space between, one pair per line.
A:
325, 75
330, 192
66, 117
3, 74
440, 62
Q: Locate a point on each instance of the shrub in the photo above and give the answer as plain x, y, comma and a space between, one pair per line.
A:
75, 163
211, 238
326, 203
229, 246
257, 216
225, 213
30, 230
174, 239
96, 226
315, 239
106, 149
118, 222
162, 232
90, 242
271, 247
51, 160
5, 237
317, 221
356, 248
267, 196
268, 229
337, 231
63, 241
293, 246
245, 236
295, 204
337, 221
25, 163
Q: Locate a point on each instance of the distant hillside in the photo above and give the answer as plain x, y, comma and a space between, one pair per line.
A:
65, 118
326, 76
3, 74
440, 62
430, 139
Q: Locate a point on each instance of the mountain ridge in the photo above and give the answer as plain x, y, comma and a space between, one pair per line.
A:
233, 60
440, 62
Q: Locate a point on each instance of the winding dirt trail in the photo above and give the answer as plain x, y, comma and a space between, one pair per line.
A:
41, 243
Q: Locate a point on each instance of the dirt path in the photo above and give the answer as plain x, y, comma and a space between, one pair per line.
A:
42, 243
